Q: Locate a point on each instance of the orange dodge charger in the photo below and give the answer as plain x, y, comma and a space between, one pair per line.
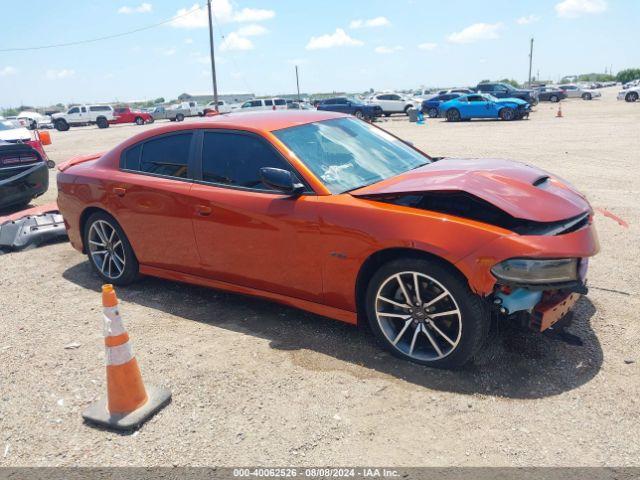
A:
327, 213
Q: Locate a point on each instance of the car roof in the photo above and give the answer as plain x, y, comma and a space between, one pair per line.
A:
269, 120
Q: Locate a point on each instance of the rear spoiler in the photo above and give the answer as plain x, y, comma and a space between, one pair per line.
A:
79, 159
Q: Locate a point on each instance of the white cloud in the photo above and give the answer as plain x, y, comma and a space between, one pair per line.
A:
252, 30
385, 50
337, 39
196, 16
8, 70
427, 46
253, 15
575, 8
60, 74
142, 8
528, 19
188, 41
476, 32
169, 51
372, 22
233, 41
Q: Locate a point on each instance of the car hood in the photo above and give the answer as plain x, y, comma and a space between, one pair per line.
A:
522, 191
518, 101
15, 134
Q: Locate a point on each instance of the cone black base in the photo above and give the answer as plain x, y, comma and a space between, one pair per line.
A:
97, 413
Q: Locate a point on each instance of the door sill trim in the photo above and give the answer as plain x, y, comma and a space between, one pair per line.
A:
313, 307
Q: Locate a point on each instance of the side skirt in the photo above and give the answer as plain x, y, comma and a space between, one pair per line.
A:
317, 308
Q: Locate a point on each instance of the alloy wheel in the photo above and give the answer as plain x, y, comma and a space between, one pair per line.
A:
418, 316
106, 249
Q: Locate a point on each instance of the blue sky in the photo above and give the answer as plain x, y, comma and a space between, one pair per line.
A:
341, 45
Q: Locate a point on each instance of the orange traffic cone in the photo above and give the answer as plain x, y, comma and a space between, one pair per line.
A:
559, 114
128, 404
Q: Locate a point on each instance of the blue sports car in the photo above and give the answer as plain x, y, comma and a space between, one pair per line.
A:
430, 105
483, 105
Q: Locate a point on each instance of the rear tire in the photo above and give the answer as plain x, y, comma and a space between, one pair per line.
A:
119, 264
586, 96
507, 114
139, 121
62, 125
554, 99
449, 339
631, 97
102, 122
453, 115
358, 114
179, 117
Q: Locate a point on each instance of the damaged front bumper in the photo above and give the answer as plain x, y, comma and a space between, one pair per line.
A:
542, 303
542, 308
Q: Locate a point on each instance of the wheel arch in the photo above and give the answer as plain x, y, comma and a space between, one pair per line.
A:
379, 258
84, 216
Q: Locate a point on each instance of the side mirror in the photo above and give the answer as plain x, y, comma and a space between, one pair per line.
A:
281, 180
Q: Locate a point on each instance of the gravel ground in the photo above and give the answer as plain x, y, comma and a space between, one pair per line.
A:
257, 383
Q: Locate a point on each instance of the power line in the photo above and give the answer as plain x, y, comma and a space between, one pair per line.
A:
98, 39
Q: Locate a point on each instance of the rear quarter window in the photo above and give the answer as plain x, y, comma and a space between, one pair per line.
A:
131, 158
166, 155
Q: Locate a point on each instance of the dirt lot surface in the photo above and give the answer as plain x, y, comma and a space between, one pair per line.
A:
257, 383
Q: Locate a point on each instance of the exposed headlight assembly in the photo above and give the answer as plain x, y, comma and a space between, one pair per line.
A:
536, 272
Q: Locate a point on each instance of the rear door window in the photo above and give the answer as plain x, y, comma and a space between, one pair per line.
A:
167, 155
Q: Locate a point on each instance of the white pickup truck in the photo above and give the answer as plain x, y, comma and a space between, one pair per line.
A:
190, 109
99, 115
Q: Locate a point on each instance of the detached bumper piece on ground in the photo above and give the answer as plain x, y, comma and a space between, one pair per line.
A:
128, 404
32, 227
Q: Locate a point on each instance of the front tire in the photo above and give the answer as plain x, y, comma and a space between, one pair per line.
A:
631, 97
554, 98
507, 114
358, 114
109, 251
423, 311
62, 125
586, 96
179, 117
432, 112
139, 121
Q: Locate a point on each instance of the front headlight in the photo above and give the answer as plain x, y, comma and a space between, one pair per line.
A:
529, 271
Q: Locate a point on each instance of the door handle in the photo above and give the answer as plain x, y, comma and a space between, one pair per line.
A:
119, 191
203, 210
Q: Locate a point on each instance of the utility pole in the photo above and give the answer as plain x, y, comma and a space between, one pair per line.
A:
530, 61
213, 60
298, 83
